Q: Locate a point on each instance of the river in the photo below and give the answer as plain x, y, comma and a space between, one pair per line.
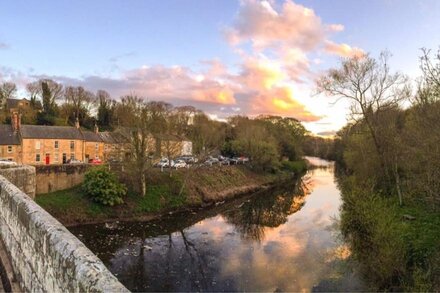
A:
283, 239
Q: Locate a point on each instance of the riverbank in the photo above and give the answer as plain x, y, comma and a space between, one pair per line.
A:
395, 246
182, 190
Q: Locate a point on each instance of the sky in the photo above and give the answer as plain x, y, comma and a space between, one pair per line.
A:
224, 57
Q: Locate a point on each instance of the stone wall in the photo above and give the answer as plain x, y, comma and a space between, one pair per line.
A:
21, 176
58, 177
45, 256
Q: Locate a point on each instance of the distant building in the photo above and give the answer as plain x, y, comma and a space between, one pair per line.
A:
14, 105
40, 144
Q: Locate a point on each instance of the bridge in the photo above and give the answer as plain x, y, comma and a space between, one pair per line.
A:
39, 254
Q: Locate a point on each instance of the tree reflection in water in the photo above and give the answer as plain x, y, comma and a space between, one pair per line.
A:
229, 247
270, 210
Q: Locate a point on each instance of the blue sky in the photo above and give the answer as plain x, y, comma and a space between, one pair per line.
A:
215, 55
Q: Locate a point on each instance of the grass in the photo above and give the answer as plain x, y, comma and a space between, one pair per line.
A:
164, 193
393, 252
297, 167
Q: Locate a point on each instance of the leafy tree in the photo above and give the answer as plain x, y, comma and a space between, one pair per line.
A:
105, 109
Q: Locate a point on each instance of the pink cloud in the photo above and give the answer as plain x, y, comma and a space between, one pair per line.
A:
261, 24
343, 50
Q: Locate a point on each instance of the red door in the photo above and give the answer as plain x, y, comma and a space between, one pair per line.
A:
47, 159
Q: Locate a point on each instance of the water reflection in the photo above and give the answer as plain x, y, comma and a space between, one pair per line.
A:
271, 241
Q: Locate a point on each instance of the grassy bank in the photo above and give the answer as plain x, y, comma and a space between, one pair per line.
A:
397, 247
183, 189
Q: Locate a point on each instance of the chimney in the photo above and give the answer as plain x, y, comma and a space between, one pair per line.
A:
77, 123
96, 129
16, 121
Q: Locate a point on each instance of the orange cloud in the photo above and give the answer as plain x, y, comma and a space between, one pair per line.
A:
343, 50
260, 73
280, 101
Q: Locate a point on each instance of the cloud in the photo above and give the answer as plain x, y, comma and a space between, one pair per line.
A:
4, 46
121, 56
273, 42
281, 101
261, 24
330, 133
158, 83
343, 50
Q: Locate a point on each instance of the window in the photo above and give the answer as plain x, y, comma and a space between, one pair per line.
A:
56, 144
72, 145
37, 145
55, 157
72, 156
9, 148
37, 158
97, 146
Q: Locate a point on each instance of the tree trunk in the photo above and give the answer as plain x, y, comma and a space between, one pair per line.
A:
397, 180
143, 184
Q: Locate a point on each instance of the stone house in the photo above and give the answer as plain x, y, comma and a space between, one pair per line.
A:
10, 146
46, 145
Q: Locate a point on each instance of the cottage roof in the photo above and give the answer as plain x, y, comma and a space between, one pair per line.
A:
8, 136
14, 103
55, 132
91, 136
106, 137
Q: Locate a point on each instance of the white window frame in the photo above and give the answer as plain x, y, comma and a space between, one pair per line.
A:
10, 149
37, 158
37, 145
56, 144
72, 145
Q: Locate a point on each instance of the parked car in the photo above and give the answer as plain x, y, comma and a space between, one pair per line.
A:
95, 161
164, 163
73, 161
242, 160
6, 162
233, 161
212, 161
179, 164
188, 159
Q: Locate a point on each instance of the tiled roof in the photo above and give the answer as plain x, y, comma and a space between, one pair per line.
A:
106, 137
91, 136
8, 136
13, 103
43, 131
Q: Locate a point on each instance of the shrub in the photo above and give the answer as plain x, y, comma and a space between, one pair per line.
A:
294, 166
102, 186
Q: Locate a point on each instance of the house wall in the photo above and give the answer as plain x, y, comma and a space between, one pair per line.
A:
15, 155
93, 150
47, 146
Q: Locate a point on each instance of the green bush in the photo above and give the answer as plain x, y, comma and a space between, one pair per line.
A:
294, 166
102, 186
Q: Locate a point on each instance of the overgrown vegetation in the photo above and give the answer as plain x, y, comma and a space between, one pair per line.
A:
164, 193
391, 186
103, 186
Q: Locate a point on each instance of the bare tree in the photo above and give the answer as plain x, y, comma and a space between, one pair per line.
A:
372, 88
7, 91
140, 142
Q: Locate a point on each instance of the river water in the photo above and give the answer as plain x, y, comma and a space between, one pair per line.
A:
283, 239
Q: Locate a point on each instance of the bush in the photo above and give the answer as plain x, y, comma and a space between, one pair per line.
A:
102, 186
294, 166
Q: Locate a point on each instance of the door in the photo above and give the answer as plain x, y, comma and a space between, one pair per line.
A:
64, 158
47, 159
